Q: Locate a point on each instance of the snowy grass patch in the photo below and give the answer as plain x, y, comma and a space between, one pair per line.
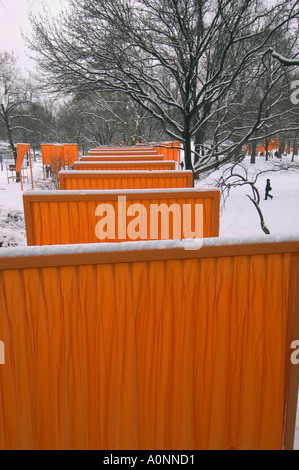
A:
12, 228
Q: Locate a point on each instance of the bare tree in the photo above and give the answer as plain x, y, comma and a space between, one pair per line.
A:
38, 123
18, 108
238, 175
98, 118
178, 59
11, 96
285, 60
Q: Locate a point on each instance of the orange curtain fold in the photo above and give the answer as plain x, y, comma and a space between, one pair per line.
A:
59, 155
126, 165
186, 354
170, 151
134, 151
129, 180
47, 151
21, 150
58, 158
273, 144
120, 158
54, 221
71, 154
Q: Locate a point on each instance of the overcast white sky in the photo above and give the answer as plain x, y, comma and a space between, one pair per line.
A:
14, 20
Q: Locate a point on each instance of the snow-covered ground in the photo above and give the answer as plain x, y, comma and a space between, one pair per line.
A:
238, 217
12, 224
281, 215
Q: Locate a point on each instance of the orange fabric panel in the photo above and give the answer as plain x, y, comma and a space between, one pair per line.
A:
272, 145
126, 165
57, 160
260, 148
125, 180
123, 148
47, 151
21, 150
70, 153
59, 155
53, 219
121, 158
169, 151
120, 152
164, 354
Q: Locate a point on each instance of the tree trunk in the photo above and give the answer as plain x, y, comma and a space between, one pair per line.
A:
10, 139
253, 153
281, 147
199, 141
267, 149
188, 155
197, 149
187, 147
295, 150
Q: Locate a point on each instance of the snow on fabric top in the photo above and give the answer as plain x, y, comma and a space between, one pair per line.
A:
190, 244
129, 162
122, 158
123, 172
82, 192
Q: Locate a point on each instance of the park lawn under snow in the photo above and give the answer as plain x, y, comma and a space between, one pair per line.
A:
239, 217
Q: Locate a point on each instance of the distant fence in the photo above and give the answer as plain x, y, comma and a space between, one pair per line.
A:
149, 348
125, 179
126, 165
67, 217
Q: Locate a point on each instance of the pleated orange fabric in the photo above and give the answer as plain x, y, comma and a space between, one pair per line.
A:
170, 151
70, 154
21, 150
64, 218
121, 152
57, 160
126, 165
59, 155
121, 158
125, 180
187, 352
47, 151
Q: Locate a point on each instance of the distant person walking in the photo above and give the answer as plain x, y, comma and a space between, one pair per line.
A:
267, 190
182, 165
1, 162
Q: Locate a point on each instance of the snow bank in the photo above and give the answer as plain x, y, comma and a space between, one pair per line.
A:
12, 228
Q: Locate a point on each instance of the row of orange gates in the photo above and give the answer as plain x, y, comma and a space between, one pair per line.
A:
152, 341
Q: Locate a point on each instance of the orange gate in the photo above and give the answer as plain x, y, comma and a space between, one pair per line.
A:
121, 158
67, 217
149, 346
125, 165
125, 179
137, 151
